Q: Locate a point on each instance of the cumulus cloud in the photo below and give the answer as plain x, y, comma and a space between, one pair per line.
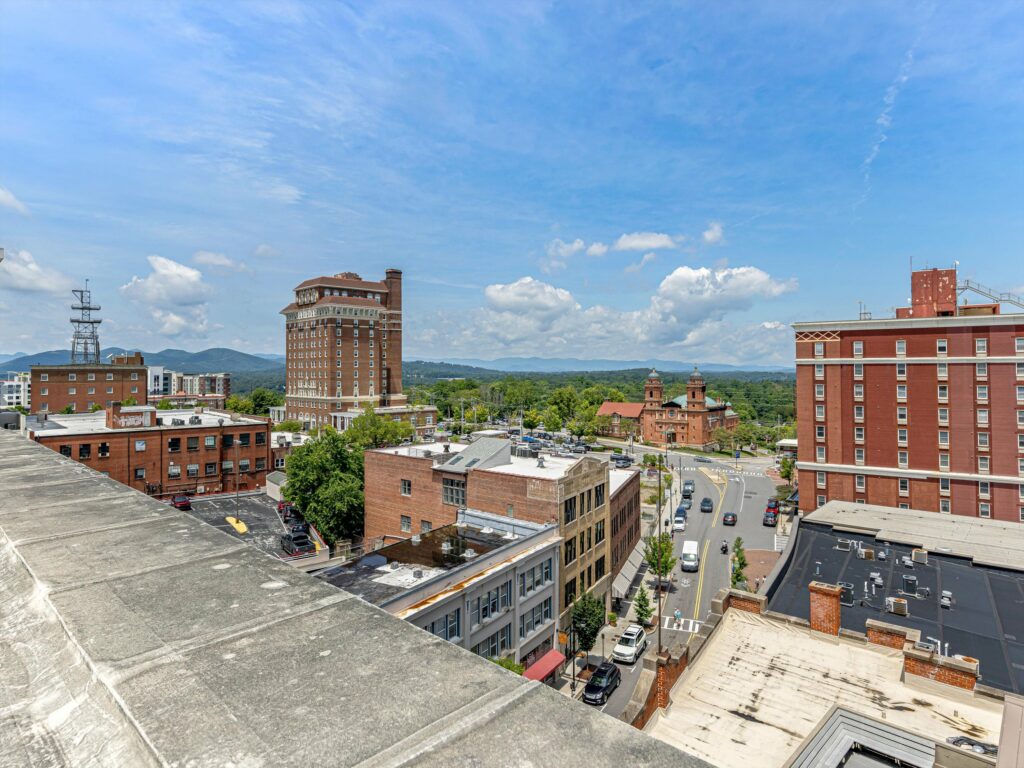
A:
265, 251
528, 295
8, 200
219, 260
558, 252
714, 234
644, 241
597, 249
644, 261
19, 271
174, 294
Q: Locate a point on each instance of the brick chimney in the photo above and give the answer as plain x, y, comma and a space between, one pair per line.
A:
824, 607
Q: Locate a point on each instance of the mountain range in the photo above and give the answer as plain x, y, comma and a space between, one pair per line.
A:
567, 364
206, 361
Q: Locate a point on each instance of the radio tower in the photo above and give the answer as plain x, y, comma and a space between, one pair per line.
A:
85, 343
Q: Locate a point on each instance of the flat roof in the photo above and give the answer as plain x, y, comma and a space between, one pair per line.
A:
985, 620
986, 542
136, 634
618, 478
432, 450
554, 467
760, 686
94, 423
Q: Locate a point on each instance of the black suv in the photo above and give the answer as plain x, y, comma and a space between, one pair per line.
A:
606, 678
706, 505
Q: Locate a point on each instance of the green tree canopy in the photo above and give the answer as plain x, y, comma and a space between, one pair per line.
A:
531, 418
264, 399
288, 425
642, 606
240, 404
371, 430
587, 619
552, 420
510, 665
786, 467
164, 405
565, 401
659, 556
130, 401
325, 480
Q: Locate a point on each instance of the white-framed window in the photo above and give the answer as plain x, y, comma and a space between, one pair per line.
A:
819, 453
819, 391
904, 486
944, 462
858, 370
903, 458
944, 438
406, 487
821, 478
901, 392
901, 347
982, 417
981, 391
819, 349
901, 414
72, 377
821, 500
1020, 419
1018, 345
984, 489
858, 434
942, 371
1020, 394
405, 523
901, 436
860, 482
858, 413
1021, 513
110, 377
858, 456
858, 391
1020, 443
819, 370
983, 465
981, 370
858, 349
984, 509
981, 347
44, 377
983, 441
943, 415
901, 371
1020, 370
72, 390
944, 484
944, 507
1020, 466
44, 390
819, 431
941, 345
943, 393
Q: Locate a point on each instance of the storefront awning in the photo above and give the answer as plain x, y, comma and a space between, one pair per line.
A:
544, 666
620, 587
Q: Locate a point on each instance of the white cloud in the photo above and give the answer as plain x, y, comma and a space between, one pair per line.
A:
265, 251
597, 249
190, 322
884, 119
558, 253
19, 271
647, 259
8, 200
220, 260
529, 296
175, 296
714, 234
644, 241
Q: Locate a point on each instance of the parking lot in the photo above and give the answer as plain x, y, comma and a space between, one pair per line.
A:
258, 512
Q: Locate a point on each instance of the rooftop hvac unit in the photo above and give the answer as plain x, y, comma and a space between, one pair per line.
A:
394, 565
845, 593
843, 545
909, 584
195, 420
281, 440
159, 421
865, 553
896, 606
876, 578
446, 547
417, 574
920, 556
907, 561
946, 600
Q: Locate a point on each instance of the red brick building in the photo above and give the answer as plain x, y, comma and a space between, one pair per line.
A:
689, 419
413, 489
624, 515
82, 385
623, 419
343, 343
923, 411
163, 453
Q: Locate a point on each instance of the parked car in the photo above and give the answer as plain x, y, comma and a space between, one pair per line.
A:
770, 518
688, 485
297, 544
773, 503
299, 526
622, 464
706, 505
679, 521
182, 502
703, 459
579, 449
685, 504
606, 678
631, 645
729, 518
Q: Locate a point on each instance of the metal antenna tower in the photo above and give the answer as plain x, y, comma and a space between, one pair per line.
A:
85, 342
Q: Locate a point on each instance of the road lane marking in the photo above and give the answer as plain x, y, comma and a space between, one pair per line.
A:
700, 581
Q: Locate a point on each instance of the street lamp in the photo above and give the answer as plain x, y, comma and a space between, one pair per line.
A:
572, 651
661, 549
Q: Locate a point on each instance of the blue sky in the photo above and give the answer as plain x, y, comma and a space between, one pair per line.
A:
680, 180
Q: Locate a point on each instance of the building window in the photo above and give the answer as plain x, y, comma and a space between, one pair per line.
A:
173, 444
981, 370
820, 453
982, 393
904, 486
858, 413
943, 415
65, 450
46, 376
406, 487
941, 345
496, 644
227, 441
944, 485
819, 349
819, 391
1020, 394
981, 347
599, 492
983, 465
944, 506
944, 462
72, 377
819, 370
901, 346
983, 417
140, 446
227, 467
944, 438
901, 414
860, 482
902, 458
72, 390
174, 470
819, 431
569, 510
140, 473
534, 618
901, 436
110, 377
192, 443
858, 456
984, 490
984, 509
447, 627
943, 393
821, 477
819, 412
192, 470
210, 468
104, 450
858, 391
858, 349
901, 392
598, 531
983, 441
453, 492
901, 370
243, 465
406, 524
569, 550
425, 526
85, 451
261, 463
821, 500
942, 371
858, 434
858, 370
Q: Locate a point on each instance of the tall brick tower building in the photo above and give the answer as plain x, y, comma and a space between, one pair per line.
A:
924, 410
343, 343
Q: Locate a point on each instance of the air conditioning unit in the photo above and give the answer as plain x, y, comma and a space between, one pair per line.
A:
909, 584
866, 554
446, 547
896, 606
844, 545
920, 556
925, 646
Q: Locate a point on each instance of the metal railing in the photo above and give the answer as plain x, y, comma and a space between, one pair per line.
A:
1003, 297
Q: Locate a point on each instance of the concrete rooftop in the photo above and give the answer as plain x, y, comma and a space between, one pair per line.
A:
134, 634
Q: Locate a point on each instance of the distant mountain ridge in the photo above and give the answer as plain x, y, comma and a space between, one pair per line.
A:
571, 364
206, 361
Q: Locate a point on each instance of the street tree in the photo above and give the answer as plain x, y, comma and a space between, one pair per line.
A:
786, 469
264, 399
371, 430
129, 401
739, 563
565, 402
240, 404
659, 556
325, 481
587, 619
531, 418
642, 606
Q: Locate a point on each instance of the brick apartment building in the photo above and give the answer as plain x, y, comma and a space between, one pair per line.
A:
923, 411
413, 489
82, 386
624, 515
163, 453
343, 344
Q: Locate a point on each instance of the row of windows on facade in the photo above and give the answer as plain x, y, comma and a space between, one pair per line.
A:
173, 470
449, 627
576, 546
586, 501
981, 392
622, 547
312, 294
984, 463
941, 370
941, 347
44, 391
587, 579
316, 328
313, 341
88, 377
902, 415
903, 436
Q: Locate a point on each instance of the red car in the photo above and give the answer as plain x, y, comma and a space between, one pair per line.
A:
182, 502
773, 504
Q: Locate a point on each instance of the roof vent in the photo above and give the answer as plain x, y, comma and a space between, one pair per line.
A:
469, 554
540, 461
394, 565
447, 448
921, 645
417, 574
508, 535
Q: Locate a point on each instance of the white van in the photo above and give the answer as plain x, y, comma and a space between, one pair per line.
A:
691, 556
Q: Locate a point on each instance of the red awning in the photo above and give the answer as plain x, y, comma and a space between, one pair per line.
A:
544, 666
